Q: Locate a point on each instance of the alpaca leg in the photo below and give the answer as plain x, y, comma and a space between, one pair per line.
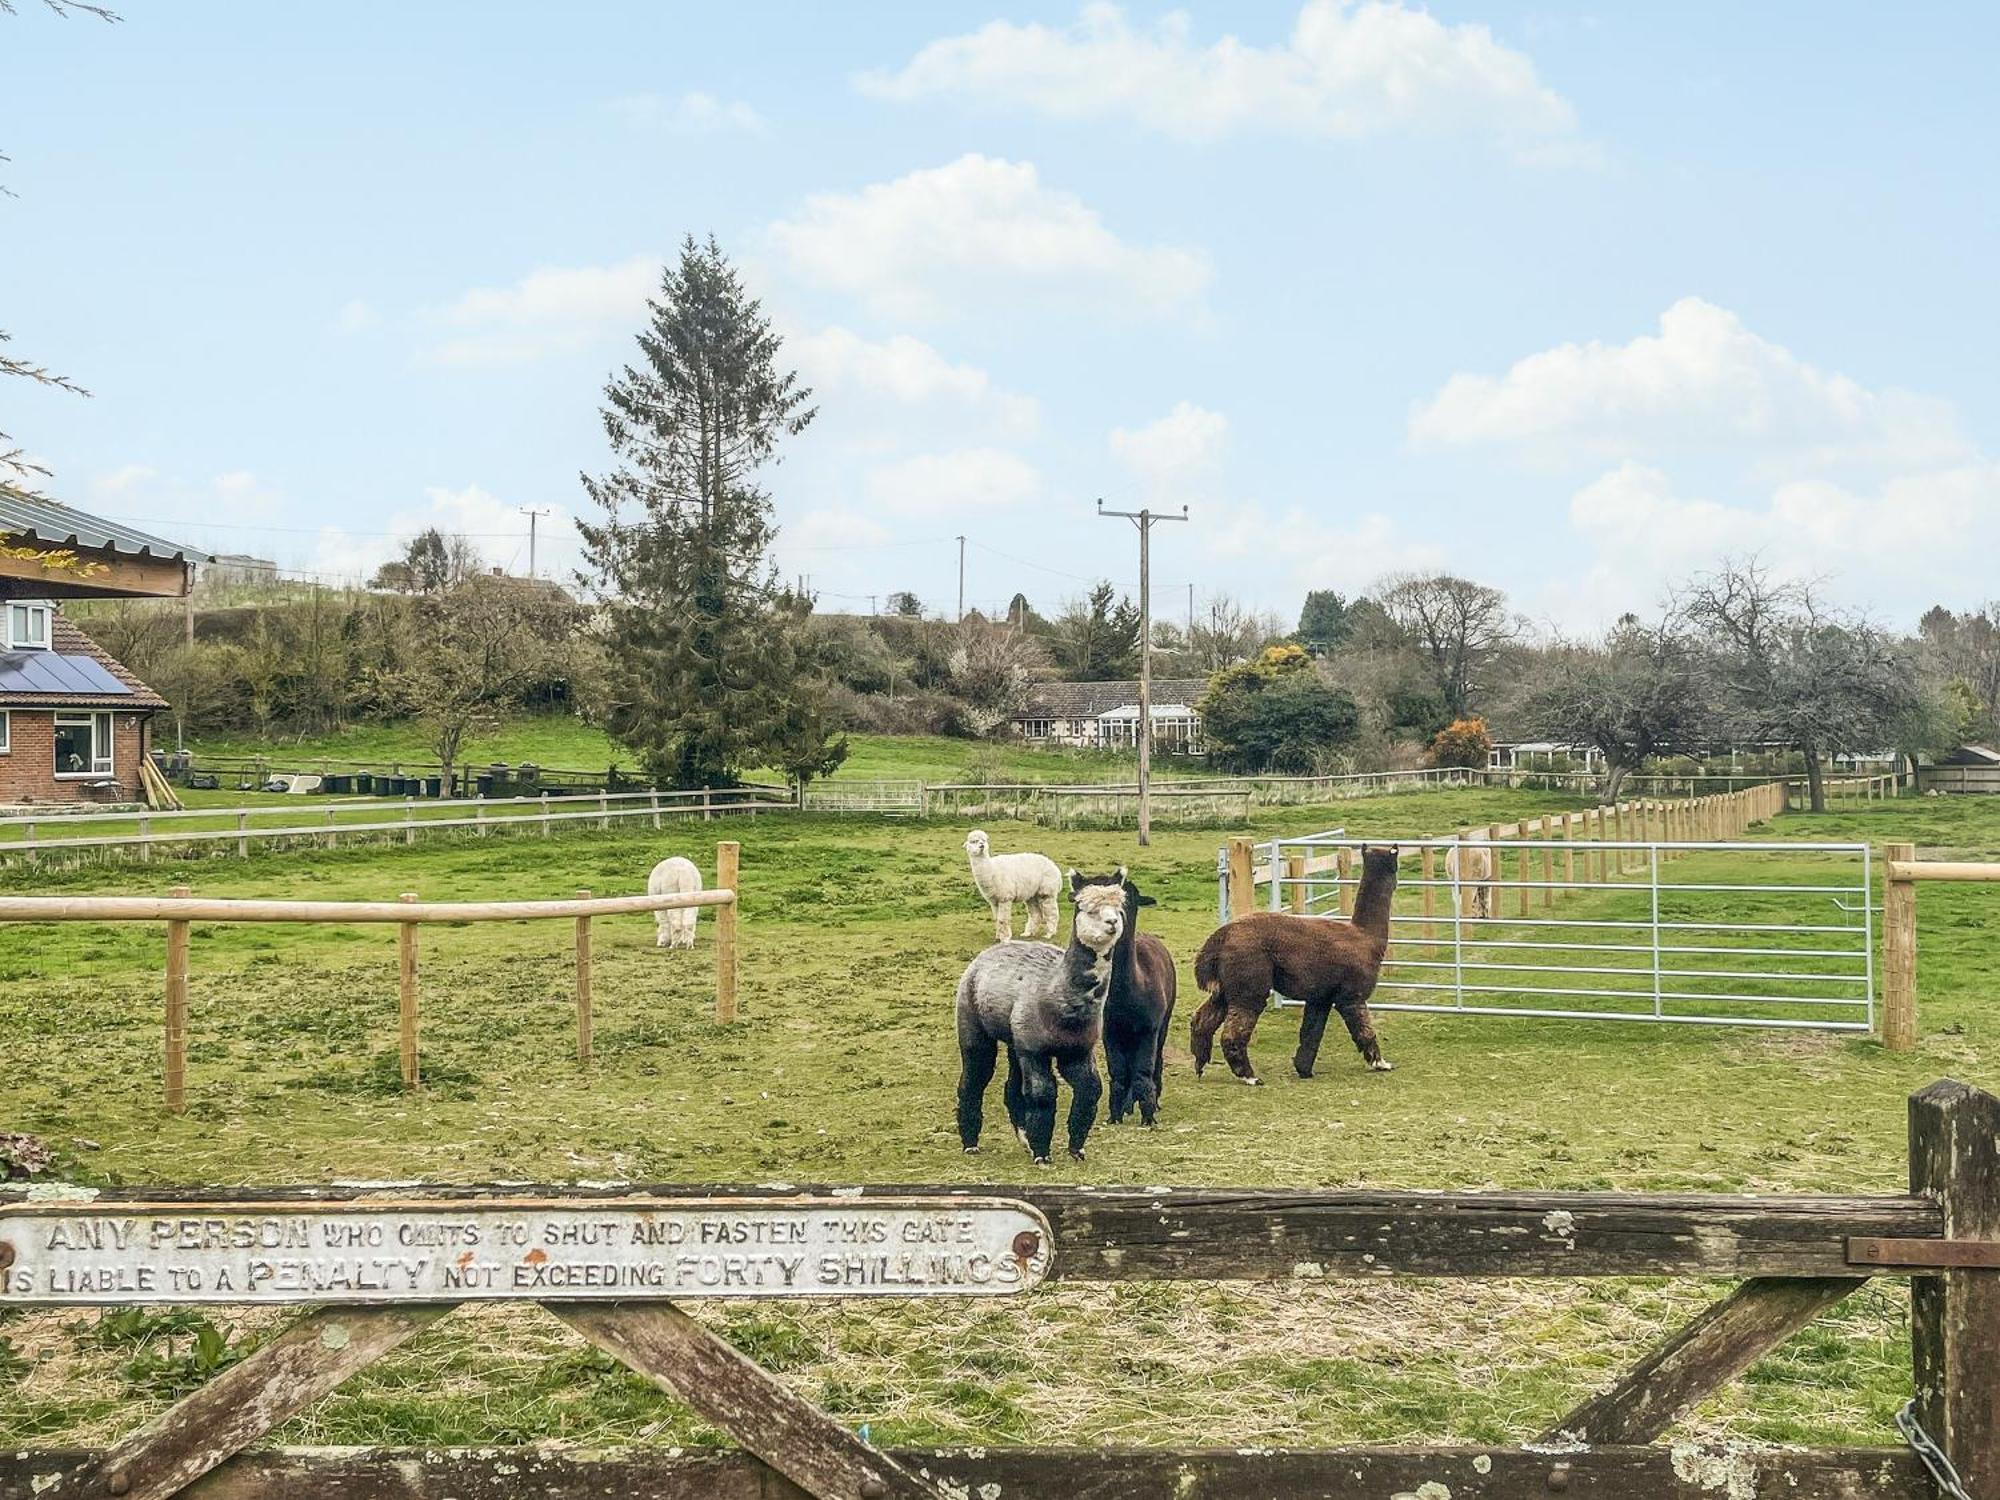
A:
1085, 1089
1201, 1030
1361, 1026
1038, 1105
1003, 921
1160, 1054
663, 935
1118, 1062
1146, 1076
976, 1059
1017, 1098
1042, 917
1236, 1033
1312, 1026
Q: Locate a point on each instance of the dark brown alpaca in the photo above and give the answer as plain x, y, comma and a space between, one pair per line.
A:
1324, 965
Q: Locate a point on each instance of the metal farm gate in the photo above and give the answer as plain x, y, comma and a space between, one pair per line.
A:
1699, 933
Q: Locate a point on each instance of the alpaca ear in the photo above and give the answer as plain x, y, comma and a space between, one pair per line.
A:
1123, 879
1075, 882
1143, 899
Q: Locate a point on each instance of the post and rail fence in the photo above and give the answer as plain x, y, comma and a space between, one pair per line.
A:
409, 914
616, 1262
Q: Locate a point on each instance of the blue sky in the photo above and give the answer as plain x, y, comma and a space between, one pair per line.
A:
1569, 299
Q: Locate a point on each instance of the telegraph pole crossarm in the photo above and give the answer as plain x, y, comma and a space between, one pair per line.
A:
1143, 519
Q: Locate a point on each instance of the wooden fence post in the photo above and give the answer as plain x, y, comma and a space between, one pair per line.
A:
1955, 1315
145, 839
1343, 871
655, 797
603, 810
1524, 870
409, 823
583, 985
727, 855
406, 996
479, 814
1242, 881
707, 805
1569, 849
1295, 877
545, 814
1548, 860
242, 835
177, 1010
1494, 854
1899, 952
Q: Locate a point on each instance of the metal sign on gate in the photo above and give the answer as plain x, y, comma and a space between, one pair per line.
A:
237, 1253
1759, 933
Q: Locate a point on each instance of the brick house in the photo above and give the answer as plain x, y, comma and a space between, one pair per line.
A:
74, 722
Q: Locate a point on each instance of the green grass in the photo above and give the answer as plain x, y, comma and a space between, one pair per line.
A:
571, 745
842, 1069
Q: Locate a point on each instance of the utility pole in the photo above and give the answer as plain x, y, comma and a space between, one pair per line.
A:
1190, 634
532, 515
1144, 519
961, 579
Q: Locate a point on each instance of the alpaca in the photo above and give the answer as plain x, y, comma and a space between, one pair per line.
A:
674, 877
1469, 868
1004, 879
1324, 963
1137, 1011
1045, 1005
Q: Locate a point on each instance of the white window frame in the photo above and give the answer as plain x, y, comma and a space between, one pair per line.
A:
6, 733
19, 609
103, 753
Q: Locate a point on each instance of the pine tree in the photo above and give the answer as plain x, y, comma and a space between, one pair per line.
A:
710, 667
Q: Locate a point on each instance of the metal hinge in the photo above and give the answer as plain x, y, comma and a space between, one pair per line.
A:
1924, 1255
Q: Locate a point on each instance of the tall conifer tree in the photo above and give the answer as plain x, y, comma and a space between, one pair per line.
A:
711, 669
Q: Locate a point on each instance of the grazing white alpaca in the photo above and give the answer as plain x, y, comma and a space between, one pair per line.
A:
674, 877
1470, 869
1003, 879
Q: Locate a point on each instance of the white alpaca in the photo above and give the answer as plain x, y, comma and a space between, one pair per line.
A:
1004, 879
675, 877
1469, 867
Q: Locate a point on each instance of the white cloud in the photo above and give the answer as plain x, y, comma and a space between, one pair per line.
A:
496, 528
1299, 550
964, 483
831, 530
125, 479
1703, 381
356, 316
552, 310
905, 371
1347, 70
693, 113
1898, 546
1169, 454
978, 227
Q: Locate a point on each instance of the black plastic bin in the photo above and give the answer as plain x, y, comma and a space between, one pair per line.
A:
433, 786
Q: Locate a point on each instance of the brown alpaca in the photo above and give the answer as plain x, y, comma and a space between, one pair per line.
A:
1324, 965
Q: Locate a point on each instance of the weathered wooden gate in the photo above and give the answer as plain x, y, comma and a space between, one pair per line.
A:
379, 1267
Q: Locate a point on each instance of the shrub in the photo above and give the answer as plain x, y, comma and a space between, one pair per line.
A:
1463, 742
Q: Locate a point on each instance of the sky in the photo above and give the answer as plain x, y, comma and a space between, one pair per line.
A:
1572, 300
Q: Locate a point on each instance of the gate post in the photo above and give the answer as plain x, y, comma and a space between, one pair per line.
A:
1899, 951
1242, 886
1955, 1314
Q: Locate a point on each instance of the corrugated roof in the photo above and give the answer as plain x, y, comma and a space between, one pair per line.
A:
40, 672
52, 524
1088, 700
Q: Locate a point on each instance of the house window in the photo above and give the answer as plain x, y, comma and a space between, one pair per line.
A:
83, 744
6, 736
1037, 729
28, 627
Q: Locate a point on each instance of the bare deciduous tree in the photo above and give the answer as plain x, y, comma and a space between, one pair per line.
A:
1639, 693
1459, 626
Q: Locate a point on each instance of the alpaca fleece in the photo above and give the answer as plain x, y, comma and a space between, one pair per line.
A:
1003, 879
674, 877
1045, 1005
1470, 869
1325, 964
1137, 1011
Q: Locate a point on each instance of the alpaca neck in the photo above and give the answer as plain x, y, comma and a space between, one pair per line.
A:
1088, 976
1373, 900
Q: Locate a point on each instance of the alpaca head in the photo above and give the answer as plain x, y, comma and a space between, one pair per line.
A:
1100, 909
1379, 860
975, 844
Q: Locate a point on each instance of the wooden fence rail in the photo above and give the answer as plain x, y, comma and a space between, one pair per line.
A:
1798, 1255
408, 913
1903, 873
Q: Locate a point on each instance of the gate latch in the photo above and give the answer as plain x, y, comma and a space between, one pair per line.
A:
1924, 1255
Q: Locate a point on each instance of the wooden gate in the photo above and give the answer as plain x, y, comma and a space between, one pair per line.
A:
378, 1267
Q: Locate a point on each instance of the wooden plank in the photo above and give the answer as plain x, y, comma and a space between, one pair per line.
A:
1899, 952
1681, 1472
727, 878
1242, 877
406, 998
1904, 865
815, 1452
1719, 1345
583, 1017
118, 575
1119, 1234
177, 1013
1955, 1317
198, 909
244, 1402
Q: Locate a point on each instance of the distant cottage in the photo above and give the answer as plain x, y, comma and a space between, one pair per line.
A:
1105, 715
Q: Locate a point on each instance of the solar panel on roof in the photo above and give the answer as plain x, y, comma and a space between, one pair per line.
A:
55, 672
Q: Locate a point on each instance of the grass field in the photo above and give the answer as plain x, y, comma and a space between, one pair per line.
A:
842, 1070
571, 745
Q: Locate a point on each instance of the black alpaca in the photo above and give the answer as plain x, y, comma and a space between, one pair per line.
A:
1136, 1015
